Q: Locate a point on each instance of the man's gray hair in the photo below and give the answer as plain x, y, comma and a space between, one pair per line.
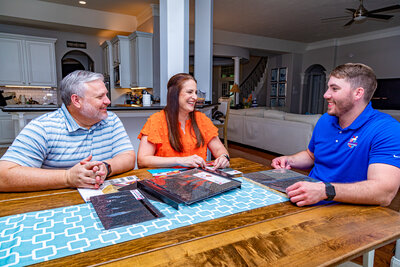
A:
74, 83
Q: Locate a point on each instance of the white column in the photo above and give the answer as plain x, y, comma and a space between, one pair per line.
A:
203, 46
236, 61
174, 41
156, 50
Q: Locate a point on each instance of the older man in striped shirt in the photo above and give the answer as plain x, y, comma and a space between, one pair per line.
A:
78, 145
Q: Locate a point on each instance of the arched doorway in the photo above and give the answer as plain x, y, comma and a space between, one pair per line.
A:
314, 89
76, 60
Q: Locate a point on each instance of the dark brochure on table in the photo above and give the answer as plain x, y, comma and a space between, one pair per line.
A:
189, 186
124, 208
278, 179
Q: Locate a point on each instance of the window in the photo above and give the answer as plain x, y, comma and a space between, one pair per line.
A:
227, 71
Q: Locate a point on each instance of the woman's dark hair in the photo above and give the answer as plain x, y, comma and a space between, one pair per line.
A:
174, 86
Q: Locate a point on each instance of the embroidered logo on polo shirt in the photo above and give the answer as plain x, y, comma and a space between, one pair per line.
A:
353, 142
397, 157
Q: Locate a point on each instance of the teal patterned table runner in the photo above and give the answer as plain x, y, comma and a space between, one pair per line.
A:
40, 236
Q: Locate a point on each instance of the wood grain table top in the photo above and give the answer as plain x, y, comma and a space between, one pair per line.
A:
276, 235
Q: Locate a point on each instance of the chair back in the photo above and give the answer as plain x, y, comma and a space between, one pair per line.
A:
224, 106
395, 205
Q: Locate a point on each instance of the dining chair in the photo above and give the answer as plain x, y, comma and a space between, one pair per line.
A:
395, 205
222, 122
368, 258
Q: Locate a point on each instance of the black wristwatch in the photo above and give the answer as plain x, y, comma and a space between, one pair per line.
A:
227, 157
108, 167
330, 191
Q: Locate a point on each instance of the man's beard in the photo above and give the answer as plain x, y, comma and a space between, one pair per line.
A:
341, 108
93, 113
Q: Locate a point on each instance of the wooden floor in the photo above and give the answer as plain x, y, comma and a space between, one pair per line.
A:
382, 255
256, 155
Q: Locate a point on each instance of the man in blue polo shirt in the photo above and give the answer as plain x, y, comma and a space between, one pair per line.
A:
354, 150
78, 145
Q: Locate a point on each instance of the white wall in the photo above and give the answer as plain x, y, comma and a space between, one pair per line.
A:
323, 56
383, 55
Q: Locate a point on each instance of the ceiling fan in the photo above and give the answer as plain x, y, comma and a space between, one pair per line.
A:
361, 13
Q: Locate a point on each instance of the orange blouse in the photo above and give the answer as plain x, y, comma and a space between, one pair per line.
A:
156, 130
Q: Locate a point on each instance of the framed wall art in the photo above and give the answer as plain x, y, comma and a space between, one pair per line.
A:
282, 90
273, 102
282, 74
274, 90
274, 75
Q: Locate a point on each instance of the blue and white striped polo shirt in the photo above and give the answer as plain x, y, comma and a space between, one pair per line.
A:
55, 140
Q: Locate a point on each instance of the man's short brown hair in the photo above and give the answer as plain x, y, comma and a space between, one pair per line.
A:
358, 75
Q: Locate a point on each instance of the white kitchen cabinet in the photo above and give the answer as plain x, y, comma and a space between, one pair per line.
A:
106, 46
116, 52
29, 60
121, 61
12, 61
7, 131
141, 51
41, 63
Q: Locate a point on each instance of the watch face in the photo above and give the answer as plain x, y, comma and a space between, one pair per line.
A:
330, 191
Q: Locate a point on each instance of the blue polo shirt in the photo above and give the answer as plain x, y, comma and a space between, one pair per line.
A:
55, 140
343, 155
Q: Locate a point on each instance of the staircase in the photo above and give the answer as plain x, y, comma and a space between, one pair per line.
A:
255, 81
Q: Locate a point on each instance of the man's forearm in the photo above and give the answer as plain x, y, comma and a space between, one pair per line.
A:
365, 192
380, 188
14, 177
302, 160
122, 162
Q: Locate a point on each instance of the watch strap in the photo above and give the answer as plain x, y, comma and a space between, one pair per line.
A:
108, 167
330, 191
227, 157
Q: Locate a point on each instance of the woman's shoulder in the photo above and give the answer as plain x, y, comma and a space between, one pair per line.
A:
202, 120
158, 116
200, 115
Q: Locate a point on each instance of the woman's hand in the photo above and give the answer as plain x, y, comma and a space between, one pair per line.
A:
221, 162
192, 161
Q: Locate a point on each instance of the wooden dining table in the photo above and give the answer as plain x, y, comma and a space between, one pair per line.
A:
277, 235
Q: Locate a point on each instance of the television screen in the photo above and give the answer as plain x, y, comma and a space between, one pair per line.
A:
387, 94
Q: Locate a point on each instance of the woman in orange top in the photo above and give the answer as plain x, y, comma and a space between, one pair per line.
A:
179, 135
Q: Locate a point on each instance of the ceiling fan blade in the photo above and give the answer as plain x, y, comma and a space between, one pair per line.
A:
388, 8
335, 18
351, 10
379, 16
349, 23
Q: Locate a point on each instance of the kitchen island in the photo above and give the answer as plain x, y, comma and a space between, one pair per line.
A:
133, 117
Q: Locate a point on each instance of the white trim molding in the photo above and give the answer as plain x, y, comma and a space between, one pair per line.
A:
363, 37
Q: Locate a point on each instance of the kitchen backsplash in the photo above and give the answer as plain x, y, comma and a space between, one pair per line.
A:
42, 96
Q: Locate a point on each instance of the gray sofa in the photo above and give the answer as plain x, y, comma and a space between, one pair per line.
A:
274, 130
271, 130
392, 112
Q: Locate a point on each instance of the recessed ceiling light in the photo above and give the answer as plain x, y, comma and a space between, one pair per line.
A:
82, 2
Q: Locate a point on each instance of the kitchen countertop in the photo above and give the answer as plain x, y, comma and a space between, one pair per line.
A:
40, 108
